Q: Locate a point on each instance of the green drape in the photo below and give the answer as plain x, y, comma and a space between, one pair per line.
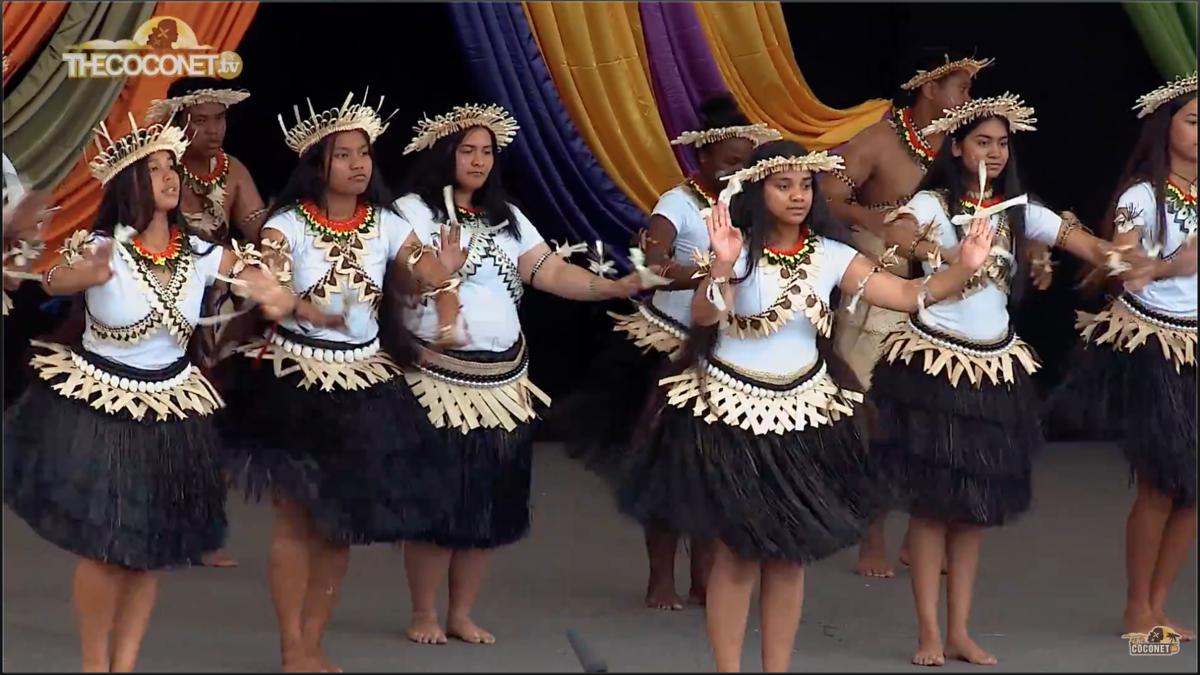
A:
48, 118
1168, 32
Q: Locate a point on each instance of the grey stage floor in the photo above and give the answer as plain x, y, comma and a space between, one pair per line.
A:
1049, 596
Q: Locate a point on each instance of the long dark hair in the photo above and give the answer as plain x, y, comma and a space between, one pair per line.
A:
435, 169
749, 214
948, 174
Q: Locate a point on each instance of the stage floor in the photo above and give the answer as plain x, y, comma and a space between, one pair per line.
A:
1049, 595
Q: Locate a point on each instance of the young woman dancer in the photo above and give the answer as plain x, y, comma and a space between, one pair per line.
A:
317, 410
1134, 376
958, 410
599, 420
479, 399
754, 443
112, 454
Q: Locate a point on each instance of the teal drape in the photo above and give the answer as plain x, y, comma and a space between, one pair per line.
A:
1168, 32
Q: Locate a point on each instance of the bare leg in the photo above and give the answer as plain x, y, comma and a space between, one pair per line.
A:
660, 548
904, 556
1177, 539
327, 565
781, 598
289, 560
927, 548
95, 591
729, 589
426, 566
134, 606
702, 562
872, 553
962, 553
467, 569
1143, 540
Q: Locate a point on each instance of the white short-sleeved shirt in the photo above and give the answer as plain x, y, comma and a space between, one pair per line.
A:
310, 265
680, 206
13, 189
489, 294
123, 302
794, 346
1176, 295
983, 314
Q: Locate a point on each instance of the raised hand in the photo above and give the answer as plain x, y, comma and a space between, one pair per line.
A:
974, 250
724, 239
450, 250
24, 220
95, 265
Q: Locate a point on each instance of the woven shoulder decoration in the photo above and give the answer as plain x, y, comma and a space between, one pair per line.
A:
970, 66
813, 161
164, 108
494, 117
138, 144
755, 133
1009, 106
358, 116
1148, 103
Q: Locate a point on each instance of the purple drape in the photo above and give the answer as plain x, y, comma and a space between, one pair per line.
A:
682, 67
550, 169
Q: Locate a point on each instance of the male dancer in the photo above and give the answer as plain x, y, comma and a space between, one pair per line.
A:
219, 191
884, 165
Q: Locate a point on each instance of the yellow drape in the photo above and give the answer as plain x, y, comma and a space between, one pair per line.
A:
596, 55
750, 43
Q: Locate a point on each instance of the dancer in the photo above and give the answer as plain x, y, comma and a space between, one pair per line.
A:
317, 410
1134, 374
601, 416
218, 191
958, 410
754, 442
112, 454
479, 399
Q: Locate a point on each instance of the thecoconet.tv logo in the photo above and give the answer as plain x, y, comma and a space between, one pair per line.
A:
163, 46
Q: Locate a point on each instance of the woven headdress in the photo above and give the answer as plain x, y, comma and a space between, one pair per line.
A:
813, 161
755, 133
122, 153
7, 63
1009, 106
350, 117
1165, 94
494, 117
969, 66
163, 109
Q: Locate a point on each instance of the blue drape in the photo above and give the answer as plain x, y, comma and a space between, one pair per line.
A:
549, 168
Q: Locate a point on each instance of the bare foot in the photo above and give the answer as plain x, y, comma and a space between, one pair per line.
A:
662, 596
873, 563
929, 651
1161, 619
1138, 621
463, 628
697, 597
325, 664
425, 630
301, 665
965, 649
218, 559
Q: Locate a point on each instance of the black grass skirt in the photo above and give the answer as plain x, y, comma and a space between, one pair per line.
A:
140, 494
961, 454
1140, 401
489, 471
799, 496
345, 456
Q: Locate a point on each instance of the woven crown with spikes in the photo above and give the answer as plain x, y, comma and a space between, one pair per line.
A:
755, 133
493, 117
1148, 103
350, 117
164, 109
122, 153
7, 63
969, 66
813, 161
1009, 106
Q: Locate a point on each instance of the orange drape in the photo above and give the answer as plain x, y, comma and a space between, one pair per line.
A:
220, 24
27, 26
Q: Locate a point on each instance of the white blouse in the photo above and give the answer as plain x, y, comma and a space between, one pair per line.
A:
794, 347
491, 289
311, 264
124, 327
983, 314
1177, 295
680, 207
